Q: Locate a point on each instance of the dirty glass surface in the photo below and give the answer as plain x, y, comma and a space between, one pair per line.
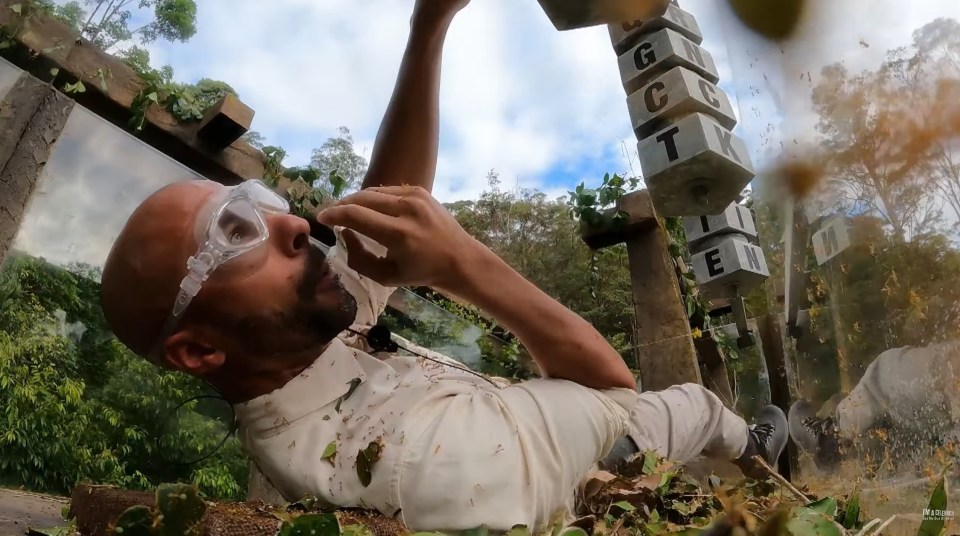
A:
8, 76
854, 128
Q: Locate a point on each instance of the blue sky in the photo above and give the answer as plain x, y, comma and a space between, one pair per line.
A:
544, 108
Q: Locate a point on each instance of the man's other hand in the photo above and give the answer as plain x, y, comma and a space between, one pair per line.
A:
425, 244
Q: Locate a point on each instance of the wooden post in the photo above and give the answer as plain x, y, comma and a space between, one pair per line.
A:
665, 352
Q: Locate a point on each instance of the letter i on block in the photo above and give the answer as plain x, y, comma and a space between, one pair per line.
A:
729, 268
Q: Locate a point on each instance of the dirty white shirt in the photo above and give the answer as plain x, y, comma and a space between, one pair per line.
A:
457, 451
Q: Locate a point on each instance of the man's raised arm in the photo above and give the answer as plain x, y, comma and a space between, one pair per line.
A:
405, 151
426, 246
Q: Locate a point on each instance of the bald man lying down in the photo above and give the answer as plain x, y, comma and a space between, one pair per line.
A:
224, 284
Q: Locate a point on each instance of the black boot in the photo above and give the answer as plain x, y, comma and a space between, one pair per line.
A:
623, 450
767, 438
819, 436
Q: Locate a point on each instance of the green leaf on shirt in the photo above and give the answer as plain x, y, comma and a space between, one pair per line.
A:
330, 452
366, 459
354, 383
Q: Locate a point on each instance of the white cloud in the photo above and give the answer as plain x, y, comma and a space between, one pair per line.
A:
538, 105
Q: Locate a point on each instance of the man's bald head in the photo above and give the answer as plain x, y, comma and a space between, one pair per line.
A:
271, 307
143, 271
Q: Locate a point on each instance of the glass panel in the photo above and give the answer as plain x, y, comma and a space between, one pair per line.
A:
9, 73
854, 121
747, 370
85, 408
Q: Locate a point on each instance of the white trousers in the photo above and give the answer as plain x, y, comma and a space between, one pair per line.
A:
686, 421
916, 389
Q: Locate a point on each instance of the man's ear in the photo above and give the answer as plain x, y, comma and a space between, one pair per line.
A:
186, 352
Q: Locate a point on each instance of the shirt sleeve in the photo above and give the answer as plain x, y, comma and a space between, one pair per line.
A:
371, 296
510, 456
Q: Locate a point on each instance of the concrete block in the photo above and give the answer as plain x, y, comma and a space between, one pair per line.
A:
735, 219
624, 35
694, 167
659, 52
732, 266
832, 239
674, 94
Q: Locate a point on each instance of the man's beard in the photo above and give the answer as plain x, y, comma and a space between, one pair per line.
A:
305, 325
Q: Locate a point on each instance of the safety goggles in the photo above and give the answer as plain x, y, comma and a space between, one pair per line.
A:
230, 225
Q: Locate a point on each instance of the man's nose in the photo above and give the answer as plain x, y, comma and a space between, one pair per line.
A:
291, 234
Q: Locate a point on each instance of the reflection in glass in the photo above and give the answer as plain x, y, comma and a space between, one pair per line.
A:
96, 176
747, 370
85, 408
9, 73
855, 122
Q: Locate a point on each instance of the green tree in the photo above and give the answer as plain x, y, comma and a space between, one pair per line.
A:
337, 155
536, 236
255, 139
108, 22
77, 405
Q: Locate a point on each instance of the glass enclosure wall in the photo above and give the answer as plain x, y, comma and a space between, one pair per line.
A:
854, 128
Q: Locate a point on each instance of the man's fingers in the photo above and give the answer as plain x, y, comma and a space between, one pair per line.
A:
364, 262
369, 222
384, 203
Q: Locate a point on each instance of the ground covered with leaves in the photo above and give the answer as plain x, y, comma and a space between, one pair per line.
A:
647, 497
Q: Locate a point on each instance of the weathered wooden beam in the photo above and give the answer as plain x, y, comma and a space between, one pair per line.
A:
665, 351
43, 42
640, 216
225, 122
32, 116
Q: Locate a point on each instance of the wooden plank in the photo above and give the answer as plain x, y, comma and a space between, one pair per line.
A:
46, 43
27, 152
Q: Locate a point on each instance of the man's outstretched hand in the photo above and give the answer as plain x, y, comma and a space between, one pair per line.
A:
433, 12
425, 244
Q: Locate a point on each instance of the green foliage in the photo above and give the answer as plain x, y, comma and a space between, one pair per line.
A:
107, 23
177, 511
254, 138
304, 190
337, 157
80, 407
